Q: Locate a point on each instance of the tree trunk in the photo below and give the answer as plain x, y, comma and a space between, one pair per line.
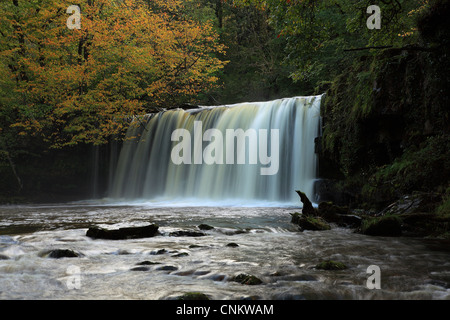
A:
13, 168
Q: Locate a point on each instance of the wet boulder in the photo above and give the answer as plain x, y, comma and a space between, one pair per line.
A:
247, 279
340, 215
60, 253
232, 245
331, 265
193, 296
309, 223
123, 233
186, 233
205, 227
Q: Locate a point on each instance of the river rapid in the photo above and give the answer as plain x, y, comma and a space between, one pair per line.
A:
165, 267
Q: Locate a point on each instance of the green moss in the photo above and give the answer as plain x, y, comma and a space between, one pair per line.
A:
247, 279
309, 222
443, 209
317, 223
389, 225
426, 168
331, 265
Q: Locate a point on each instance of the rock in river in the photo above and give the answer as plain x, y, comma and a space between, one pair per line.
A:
60, 253
186, 233
123, 233
247, 279
309, 223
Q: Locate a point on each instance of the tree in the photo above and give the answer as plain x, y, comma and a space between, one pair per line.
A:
318, 33
80, 86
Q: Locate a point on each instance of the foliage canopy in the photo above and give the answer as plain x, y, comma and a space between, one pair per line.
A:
77, 86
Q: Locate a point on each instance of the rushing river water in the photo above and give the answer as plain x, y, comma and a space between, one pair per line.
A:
269, 247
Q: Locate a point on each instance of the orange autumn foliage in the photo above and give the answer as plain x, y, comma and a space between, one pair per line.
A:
80, 85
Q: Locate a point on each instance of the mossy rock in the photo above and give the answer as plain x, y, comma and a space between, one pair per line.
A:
247, 279
193, 296
331, 265
309, 223
329, 209
387, 226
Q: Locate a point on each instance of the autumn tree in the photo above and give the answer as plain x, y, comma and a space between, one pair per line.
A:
70, 86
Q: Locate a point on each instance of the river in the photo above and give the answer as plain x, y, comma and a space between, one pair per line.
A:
165, 266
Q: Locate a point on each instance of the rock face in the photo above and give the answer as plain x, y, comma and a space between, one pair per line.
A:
412, 203
123, 233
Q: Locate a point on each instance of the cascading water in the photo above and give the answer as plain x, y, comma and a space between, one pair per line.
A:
276, 138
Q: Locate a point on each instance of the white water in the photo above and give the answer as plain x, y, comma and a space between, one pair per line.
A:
270, 247
146, 171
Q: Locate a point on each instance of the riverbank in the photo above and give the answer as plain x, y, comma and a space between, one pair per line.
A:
417, 215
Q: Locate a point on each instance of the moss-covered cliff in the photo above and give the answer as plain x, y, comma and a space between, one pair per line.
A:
386, 120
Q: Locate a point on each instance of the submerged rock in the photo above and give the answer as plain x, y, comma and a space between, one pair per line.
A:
186, 233
141, 268
167, 268
331, 265
205, 227
159, 251
232, 245
60, 253
146, 263
195, 246
193, 296
247, 279
3, 257
181, 254
123, 233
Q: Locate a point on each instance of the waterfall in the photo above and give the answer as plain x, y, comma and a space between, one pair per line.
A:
247, 151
